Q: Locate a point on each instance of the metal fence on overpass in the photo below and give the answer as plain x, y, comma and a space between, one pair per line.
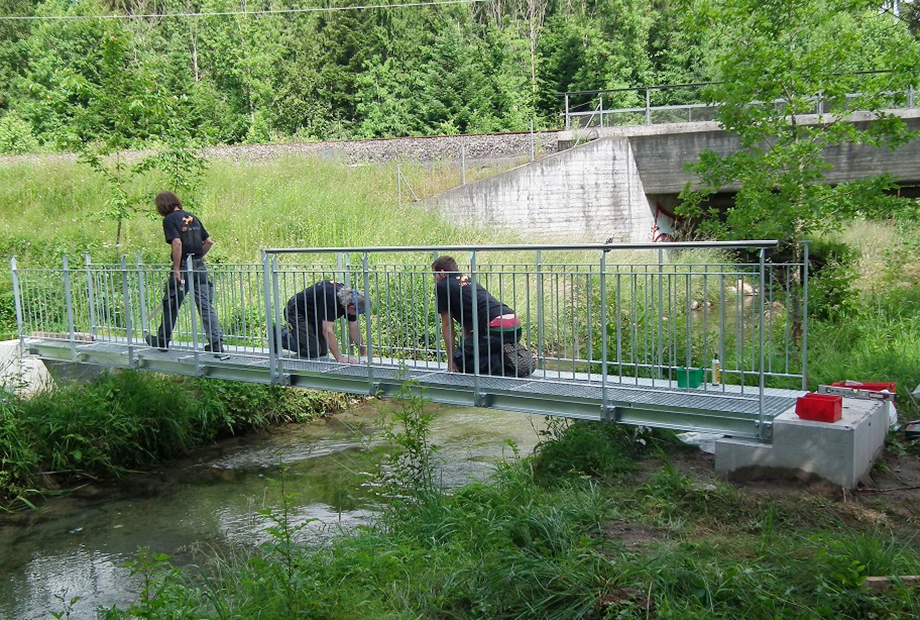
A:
693, 336
686, 103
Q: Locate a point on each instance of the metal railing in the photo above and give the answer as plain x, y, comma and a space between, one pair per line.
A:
650, 316
684, 103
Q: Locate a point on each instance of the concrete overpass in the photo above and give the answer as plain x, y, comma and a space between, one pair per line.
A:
621, 183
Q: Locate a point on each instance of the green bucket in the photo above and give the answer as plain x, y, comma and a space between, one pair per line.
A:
690, 377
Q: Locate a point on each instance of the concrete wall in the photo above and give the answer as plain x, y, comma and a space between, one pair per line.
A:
588, 194
621, 184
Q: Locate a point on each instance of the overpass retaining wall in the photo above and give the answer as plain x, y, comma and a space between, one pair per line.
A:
588, 194
623, 184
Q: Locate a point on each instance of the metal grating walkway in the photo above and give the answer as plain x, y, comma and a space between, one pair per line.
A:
725, 409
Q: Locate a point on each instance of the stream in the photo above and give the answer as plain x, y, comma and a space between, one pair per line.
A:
214, 498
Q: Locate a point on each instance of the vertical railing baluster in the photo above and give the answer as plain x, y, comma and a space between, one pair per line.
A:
126, 299
272, 320
477, 381
17, 303
91, 294
605, 412
365, 265
761, 296
68, 304
142, 293
805, 316
190, 292
540, 318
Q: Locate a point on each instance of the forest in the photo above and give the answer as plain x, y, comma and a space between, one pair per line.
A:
259, 71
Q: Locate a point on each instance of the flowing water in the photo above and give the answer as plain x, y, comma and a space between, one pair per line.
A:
78, 546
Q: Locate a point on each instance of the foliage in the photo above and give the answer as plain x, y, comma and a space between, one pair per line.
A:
125, 420
16, 135
595, 449
406, 472
373, 72
776, 64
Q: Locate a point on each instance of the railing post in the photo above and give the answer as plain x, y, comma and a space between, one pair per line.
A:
142, 293
477, 382
805, 317
191, 292
764, 435
365, 264
604, 396
126, 300
660, 313
462, 164
17, 302
272, 323
540, 318
68, 301
568, 121
648, 106
91, 292
533, 146
601, 111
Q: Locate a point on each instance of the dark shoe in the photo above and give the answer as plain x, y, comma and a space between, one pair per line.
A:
155, 342
215, 347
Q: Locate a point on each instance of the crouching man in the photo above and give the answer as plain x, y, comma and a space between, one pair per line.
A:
311, 316
498, 328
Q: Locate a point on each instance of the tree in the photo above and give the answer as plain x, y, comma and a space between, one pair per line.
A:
772, 60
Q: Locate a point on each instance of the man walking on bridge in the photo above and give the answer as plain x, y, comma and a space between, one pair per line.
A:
499, 329
310, 316
188, 238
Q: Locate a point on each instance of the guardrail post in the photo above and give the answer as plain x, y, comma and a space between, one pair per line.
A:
365, 264
272, 322
126, 295
764, 434
17, 302
68, 301
91, 292
477, 382
540, 317
648, 106
189, 274
142, 293
601, 111
660, 313
604, 395
568, 121
805, 316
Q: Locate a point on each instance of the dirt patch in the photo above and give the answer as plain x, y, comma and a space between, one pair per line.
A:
889, 494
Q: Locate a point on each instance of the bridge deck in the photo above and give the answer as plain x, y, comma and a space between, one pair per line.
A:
727, 409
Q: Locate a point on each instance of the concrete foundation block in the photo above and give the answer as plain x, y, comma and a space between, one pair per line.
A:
842, 452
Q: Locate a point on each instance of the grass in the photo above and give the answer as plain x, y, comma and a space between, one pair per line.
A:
539, 543
246, 206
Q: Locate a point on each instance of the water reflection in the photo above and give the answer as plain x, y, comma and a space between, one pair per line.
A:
79, 545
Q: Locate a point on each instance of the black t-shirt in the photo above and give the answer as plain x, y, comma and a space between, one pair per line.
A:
317, 303
454, 295
187, 228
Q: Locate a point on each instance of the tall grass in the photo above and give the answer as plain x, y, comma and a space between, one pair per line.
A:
53, 207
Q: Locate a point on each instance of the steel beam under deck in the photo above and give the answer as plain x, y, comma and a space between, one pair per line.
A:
725, 412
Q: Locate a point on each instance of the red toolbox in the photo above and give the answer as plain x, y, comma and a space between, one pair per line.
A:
819, 407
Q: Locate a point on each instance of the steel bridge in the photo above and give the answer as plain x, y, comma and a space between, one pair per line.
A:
621, 332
